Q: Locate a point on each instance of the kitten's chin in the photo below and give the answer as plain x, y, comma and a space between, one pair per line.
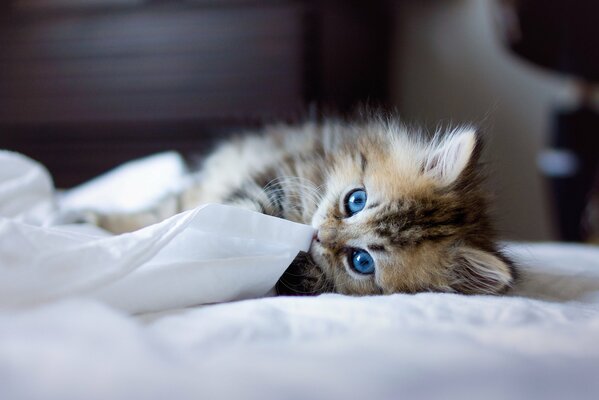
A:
317, 257
303, 277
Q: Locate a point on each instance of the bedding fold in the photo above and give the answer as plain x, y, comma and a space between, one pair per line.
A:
214, 253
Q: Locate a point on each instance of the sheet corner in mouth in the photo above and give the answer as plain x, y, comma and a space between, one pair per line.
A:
213, 253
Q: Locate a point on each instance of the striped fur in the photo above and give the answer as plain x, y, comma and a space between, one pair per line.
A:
425, 221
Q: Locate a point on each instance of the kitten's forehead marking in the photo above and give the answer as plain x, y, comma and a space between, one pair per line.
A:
363, 162
373, 205
412, 222
377, 248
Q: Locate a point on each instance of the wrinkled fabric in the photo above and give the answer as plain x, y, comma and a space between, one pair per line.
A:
211, 254
539, 342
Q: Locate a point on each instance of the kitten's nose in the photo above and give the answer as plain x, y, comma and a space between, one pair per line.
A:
326, 235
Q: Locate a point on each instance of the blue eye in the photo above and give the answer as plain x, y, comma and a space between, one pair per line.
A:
355, 202
362, 262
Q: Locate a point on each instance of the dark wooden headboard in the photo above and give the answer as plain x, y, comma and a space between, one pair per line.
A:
85, 85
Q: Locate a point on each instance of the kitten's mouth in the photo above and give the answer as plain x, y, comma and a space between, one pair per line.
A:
315, 236
314, 241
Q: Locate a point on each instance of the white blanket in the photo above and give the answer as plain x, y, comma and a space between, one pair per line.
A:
540, 342
211, 254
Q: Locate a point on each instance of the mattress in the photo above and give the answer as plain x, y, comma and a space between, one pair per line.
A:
539, 341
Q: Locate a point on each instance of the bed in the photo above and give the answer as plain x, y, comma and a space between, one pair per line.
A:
539, 341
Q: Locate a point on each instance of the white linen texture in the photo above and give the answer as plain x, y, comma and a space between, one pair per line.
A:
210, 254
64, 335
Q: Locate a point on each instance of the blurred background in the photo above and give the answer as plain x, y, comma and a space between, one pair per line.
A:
88, 84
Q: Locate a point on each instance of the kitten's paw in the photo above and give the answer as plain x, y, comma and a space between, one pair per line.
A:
129, 222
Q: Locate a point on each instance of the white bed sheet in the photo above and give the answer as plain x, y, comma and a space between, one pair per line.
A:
211, 254
541, 343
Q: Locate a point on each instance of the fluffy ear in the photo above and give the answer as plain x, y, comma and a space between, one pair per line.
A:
481, 272
449, 157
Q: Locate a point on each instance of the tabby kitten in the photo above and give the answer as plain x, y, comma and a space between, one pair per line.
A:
394, 212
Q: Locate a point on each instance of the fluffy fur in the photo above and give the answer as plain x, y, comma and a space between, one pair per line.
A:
425, 222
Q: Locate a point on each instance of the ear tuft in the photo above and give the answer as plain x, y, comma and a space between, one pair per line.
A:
449, 157
481, 272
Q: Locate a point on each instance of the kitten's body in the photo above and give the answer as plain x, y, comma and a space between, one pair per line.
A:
276, 172
424, 223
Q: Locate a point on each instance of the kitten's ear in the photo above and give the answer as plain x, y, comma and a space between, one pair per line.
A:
481, 272
450, 156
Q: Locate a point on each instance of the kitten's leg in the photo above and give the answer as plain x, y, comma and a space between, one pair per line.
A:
246, 196
190, 198
128, 222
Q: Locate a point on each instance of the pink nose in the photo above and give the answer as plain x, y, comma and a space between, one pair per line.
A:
327, 236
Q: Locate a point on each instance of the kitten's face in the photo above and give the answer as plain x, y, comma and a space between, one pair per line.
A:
400, 216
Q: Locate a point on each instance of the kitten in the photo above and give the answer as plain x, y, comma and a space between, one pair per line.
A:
394, 212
